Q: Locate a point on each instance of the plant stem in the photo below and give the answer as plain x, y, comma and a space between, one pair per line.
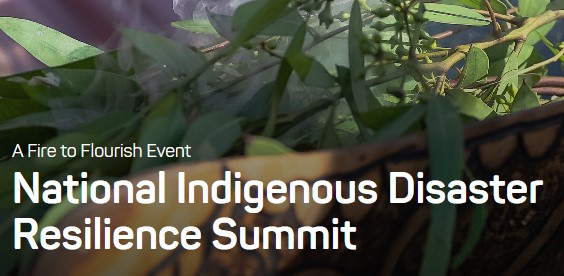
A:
521, 33
495, 26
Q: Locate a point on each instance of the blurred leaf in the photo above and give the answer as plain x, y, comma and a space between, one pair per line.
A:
166, 51
401, 124
109, 122
392, 122
508, 76
257, 15
62, 120
286, 25
70, 140
525, 99
330, 138
163, 126
446, 156
195, 26
310, 71
23, 136
360, 92
259, 105
477, 224
11, 108
476, 67
469, 105
47, 45
530, 8
551, 47
377, 118
212, 135
284, 73
223, 25
263, 146
455, 15
497, 5
77, 88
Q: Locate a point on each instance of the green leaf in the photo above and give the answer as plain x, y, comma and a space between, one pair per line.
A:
212, 135
539, 33
286, 25
195, 26
258, 20
360, 91
70, 140
62, 120
282, 78
330, 137
109, 123
47, 45
223, 25
23, 136
497, 5
93, 89
259, 105
551, 47
164, 50
11, 108
525, 99
476, 67
164, 126
392, 122
509, 77
530, 8
477, 224
263, 146
454, 15
344, 75
446, 156
310, 71
469, 105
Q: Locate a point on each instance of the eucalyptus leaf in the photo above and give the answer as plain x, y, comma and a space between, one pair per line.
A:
476, 67
529, 8
83, 88
454, 15
497, 5
11, 108
259, 105
260, 14
47, 45
310, 71
195, 26
469, 105
446, 156
477, 225
164, 50
72, 140
23, 136
164, 126
60, 119
223, 25
525, 99
264, 146
286, 25
212, 135
360, 92
330, 138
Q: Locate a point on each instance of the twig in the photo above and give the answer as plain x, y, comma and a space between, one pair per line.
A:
529, 25
495, 26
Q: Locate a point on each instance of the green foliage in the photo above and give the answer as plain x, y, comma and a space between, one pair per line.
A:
292, 75
47, 45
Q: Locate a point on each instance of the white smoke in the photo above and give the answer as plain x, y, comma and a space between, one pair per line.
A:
196, 9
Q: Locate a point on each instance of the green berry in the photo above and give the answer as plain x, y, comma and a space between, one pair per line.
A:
383, 11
